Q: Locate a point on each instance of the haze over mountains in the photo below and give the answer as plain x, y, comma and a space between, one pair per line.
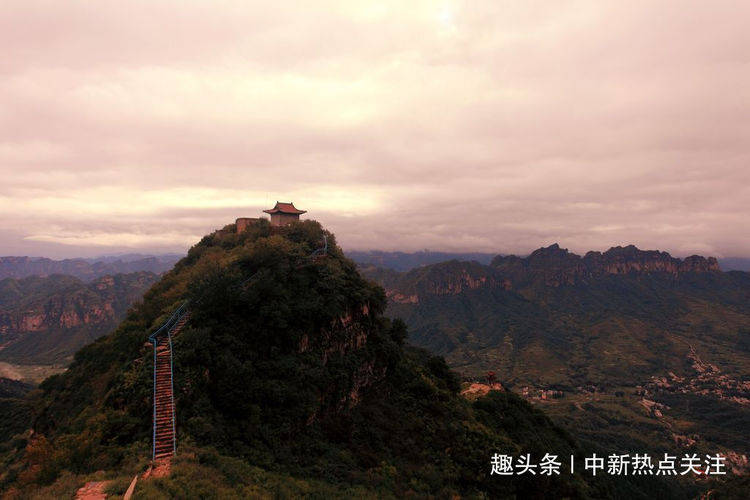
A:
404, 261
85, 269
88, 269
45, 320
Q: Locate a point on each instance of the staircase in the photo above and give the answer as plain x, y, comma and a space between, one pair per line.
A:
165, 440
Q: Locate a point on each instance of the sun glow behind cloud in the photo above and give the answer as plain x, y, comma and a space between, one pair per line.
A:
116, 203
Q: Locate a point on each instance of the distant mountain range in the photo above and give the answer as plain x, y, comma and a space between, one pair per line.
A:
633, 339
403, 261
613, 308
44, 320
287, 365
85, 269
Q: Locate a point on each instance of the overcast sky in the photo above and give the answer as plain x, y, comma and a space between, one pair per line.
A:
496, 126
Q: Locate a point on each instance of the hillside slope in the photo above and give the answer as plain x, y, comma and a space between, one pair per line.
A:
609, 318
288, 381
44, 320
84, 269
631, 348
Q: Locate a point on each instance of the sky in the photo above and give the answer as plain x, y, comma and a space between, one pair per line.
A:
495, 126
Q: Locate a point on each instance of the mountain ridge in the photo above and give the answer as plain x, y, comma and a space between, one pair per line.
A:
550, 266
620, 336
44, 320
83, 269
287, 368
405, 261
558, 266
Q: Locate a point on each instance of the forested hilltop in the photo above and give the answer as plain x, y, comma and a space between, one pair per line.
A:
289, 381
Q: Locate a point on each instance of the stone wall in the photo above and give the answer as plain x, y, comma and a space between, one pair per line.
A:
244, 222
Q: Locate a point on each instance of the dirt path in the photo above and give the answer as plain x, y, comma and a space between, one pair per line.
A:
93, 490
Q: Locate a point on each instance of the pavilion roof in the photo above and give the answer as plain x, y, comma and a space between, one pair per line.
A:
284, 208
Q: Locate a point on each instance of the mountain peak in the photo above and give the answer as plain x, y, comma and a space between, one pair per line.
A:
552, 252
555, 266
628, 259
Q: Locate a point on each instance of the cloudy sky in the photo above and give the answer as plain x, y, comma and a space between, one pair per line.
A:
448, 125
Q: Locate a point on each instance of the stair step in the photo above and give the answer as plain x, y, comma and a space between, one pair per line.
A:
163, 397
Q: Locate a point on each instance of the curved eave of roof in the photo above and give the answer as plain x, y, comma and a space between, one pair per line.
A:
289, 212
285, 208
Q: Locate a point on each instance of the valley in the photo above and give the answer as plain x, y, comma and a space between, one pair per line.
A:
627, 349
623, 351
45, 320
32, 374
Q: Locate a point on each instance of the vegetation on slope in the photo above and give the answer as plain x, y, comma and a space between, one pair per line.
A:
613, 334
287, 374
45, 320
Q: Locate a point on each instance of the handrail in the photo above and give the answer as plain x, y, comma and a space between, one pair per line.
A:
168, 326
153, 436
172, 320
171, 386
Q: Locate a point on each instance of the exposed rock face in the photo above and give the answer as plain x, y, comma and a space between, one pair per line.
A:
57, 312
60, 313
556, 266
623, 260
447, 278
346, 334
549, 266
400, 298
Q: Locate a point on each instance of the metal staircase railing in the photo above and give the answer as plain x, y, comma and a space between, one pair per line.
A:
168, 327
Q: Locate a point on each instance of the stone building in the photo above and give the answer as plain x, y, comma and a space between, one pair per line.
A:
284, 213
245, 222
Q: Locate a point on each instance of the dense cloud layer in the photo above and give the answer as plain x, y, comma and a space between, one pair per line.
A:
488, 126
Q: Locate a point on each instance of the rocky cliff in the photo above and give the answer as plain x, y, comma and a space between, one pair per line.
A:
287, 364
46, 319
550, 266
556, 266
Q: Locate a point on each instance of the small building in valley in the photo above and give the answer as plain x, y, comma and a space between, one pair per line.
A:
284, 213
